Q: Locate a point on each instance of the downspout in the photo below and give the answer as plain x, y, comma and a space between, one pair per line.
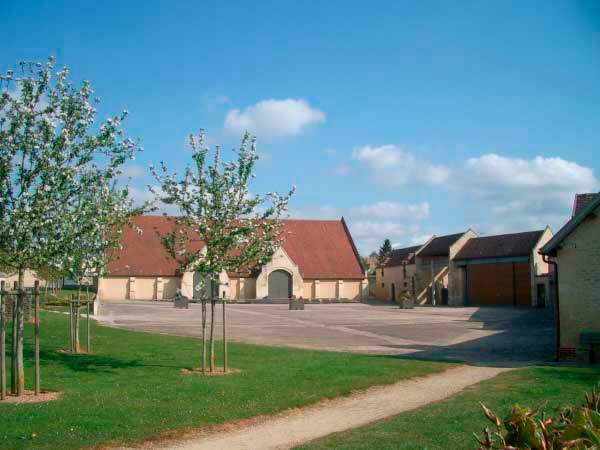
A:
556, 305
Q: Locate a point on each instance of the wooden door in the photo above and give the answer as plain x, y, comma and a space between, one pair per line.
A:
280, 285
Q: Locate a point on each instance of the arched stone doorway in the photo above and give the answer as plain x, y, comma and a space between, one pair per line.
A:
280, 284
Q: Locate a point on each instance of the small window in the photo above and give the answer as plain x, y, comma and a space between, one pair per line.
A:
382, 272
405, 283
382, 284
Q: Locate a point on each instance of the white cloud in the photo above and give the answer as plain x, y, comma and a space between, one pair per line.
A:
323, 212
371, 224
393, 166
368, 235
393, 211
271, 119
524, 194
492, 174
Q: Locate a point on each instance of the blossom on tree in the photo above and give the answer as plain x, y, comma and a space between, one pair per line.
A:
239, 229
56, 170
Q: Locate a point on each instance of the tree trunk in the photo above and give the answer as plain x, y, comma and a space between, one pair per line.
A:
20, 330
203, 301
212, 334
13, 350
36, 301
3, 298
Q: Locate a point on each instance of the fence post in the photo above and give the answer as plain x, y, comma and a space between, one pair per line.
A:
76, 344
87, 299
224, 339
36, 299
71, 323
2, 343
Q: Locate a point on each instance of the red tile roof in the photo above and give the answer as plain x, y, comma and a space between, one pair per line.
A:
322, 249
144, 254
500, 246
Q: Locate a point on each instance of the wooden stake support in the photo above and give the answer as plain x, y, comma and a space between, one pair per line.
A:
88, 341
2, 343
224, 340
36, 298
71, 326
13, 359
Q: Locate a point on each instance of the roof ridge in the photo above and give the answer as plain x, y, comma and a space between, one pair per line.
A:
571, 224
509, 234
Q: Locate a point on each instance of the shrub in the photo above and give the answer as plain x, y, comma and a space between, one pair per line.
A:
573, 428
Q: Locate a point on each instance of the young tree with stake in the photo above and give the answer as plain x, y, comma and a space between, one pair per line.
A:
93, 242
239, 230
51, 154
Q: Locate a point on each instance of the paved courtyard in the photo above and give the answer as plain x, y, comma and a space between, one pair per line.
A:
487, 336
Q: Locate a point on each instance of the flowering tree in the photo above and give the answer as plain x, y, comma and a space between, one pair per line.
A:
93, 241
239, 230
51, 155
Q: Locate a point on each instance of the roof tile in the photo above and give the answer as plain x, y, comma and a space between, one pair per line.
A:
322, 249
440, 246
500, 246
399, 256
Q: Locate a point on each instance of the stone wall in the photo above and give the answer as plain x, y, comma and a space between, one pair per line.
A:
29, 279
456, 274
539, 267
137, 288
579, 283
388, 275
423, 278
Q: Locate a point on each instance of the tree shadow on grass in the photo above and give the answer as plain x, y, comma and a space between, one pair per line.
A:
83, 362
87, 362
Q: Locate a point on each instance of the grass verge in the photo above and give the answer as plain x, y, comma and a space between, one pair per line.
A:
131, 387
450, 424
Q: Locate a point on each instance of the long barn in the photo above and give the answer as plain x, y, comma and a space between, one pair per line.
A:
317, 260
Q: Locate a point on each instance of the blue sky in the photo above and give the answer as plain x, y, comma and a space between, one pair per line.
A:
407, 118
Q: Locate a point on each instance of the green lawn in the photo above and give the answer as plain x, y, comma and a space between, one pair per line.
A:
131, 388
450, 424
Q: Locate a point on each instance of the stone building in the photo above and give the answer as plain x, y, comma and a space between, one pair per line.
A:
396, 274
434, 277
317, 260
575, 252
465, 269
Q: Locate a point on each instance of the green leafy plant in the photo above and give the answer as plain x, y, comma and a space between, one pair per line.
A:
574, 428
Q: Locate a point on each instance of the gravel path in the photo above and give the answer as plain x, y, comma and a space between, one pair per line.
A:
292, 428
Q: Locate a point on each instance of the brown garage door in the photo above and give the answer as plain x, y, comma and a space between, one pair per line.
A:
499, 284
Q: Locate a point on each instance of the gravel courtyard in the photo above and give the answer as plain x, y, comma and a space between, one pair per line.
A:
497, 336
